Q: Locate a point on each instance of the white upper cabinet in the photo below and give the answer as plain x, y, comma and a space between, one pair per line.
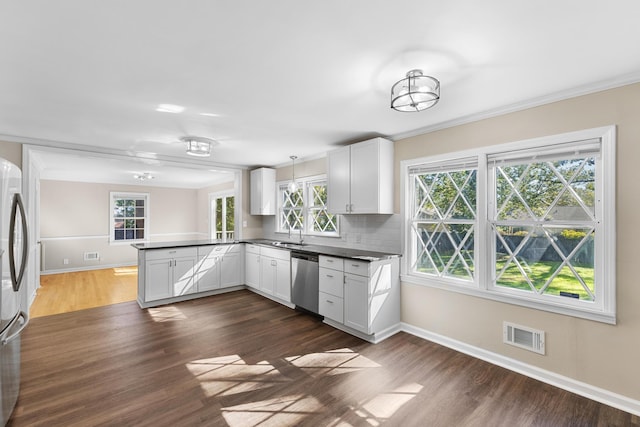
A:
360, 178
263, 191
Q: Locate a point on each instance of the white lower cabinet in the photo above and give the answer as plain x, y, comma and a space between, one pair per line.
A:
218, 267
331, 286
252, 266
176, 274
363, 296
356, 302
167, 273
275, 269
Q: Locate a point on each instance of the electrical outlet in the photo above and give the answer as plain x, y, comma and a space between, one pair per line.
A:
65, 261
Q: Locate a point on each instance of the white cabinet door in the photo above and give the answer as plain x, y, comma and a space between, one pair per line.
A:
158, 279
365, 161
230, 270
252, 270
208, 276
263, 191
356, 302
339, 180
184, 276
267, 276
360, 178
283, 280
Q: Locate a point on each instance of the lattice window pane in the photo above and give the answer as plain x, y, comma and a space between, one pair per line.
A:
444, 206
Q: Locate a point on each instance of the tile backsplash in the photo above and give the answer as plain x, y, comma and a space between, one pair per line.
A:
380, 233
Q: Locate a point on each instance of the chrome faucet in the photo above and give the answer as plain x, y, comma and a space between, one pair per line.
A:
301, 239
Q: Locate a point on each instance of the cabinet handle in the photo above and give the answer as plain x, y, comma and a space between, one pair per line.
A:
329, 276
330, 302
172, 252
355, 265
274, 263
330, 260
346, 207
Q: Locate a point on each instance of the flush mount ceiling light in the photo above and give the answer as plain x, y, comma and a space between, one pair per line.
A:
143, 176
293, 185
416, 92
198, 146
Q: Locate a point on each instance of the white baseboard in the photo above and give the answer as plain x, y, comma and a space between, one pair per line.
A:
589, 391
87, 268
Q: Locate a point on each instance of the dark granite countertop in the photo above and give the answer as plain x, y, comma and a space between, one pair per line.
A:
349, 253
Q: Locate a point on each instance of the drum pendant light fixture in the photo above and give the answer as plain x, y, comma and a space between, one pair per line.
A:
293, 185
416, 92
198, 146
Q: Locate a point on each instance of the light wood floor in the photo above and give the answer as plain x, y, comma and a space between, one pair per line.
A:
241, 360
65, 292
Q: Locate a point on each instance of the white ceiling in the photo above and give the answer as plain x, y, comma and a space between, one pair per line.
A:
291, 77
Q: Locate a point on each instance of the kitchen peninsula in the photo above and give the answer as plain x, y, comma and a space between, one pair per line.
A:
359, 291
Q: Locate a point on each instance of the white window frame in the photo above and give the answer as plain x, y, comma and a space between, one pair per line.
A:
128, 195
212, 213
304, 184
604, 308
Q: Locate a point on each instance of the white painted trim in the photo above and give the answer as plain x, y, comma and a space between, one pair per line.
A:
48, 239
589, 391
87, 268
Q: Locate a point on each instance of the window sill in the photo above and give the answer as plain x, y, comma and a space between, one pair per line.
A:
598, 316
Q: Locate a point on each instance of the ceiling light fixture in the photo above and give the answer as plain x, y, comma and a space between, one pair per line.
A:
198, 146
416, 92
293, 186
144, 176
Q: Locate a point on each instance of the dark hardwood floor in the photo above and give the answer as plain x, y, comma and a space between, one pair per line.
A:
241, 360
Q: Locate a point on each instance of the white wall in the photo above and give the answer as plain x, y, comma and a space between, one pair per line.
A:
74, 219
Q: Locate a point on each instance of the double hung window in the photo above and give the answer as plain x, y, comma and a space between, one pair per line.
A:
222, 216
531, 223
129, 217
305, 209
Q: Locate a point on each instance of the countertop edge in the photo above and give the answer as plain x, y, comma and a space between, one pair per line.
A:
348, 253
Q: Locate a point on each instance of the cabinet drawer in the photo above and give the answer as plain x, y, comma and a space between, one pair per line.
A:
331, 281
330, 262
282, 254
252, 249
331, 307
168, 253
217, 250
361, 268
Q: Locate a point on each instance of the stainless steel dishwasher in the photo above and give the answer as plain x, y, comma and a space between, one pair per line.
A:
304, 281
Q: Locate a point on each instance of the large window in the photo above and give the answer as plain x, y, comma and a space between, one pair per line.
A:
305, 209
129, 217
222, 216
532, 223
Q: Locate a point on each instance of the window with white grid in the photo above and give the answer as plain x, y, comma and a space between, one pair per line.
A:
306, 208
530, 223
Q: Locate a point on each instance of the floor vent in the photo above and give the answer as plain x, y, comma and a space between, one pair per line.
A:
91, 256
523, 337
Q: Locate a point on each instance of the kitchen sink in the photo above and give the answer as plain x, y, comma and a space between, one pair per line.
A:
289, 245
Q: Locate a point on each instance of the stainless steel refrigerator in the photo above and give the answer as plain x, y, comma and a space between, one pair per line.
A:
13, 252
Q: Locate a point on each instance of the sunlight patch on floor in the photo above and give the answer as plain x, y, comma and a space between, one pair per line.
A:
125, 271
226, 375
383, 406
332, 362
166, 314
281, 411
